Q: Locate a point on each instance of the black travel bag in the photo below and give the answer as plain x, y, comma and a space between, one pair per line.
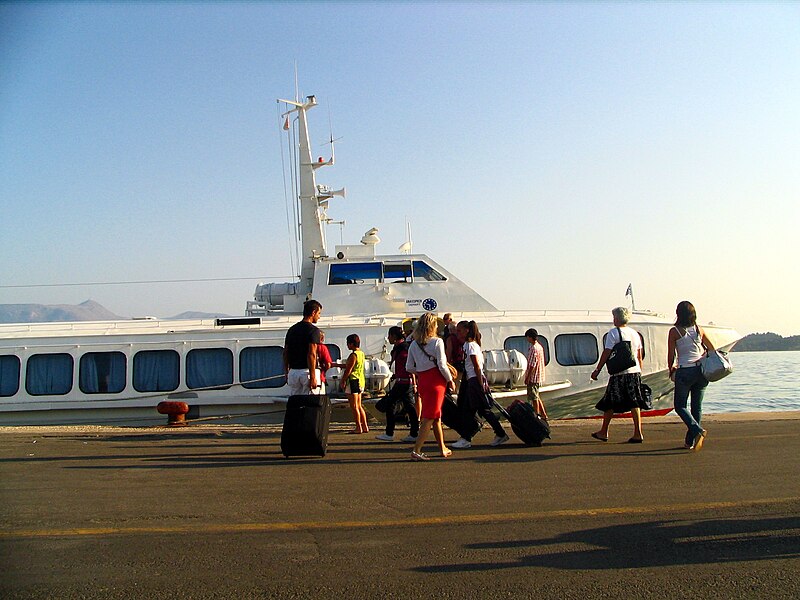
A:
526, 423
461, 419
305, 426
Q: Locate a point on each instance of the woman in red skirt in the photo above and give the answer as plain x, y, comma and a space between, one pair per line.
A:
426, 358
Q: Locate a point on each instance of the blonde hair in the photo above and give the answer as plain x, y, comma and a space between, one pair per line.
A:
425, 329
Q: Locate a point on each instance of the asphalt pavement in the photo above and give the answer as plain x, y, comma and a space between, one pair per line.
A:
217, 512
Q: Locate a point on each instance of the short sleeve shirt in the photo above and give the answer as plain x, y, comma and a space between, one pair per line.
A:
629, 334
299, 336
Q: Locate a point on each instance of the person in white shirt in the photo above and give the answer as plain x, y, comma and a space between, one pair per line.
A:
624, 389
472, 394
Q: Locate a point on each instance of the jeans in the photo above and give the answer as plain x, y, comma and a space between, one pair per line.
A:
401, 392
690, 381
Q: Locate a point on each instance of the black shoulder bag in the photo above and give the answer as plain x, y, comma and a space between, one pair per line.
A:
621, 356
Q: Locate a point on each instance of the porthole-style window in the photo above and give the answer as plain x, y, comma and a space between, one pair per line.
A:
49, 374
576, 349
209, 368
156, 370
520, 342
102, 372
262, 367
9, 375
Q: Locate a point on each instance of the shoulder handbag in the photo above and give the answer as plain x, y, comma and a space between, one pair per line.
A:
715, 365
621, 356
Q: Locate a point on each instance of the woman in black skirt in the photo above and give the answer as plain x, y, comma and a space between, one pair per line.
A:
624, 390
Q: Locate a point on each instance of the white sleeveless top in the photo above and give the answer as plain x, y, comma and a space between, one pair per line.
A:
689, 347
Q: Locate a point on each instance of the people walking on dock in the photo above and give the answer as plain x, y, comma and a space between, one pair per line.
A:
622, 355
534, 373
687, 340
427, 360
472, 394
402, 389
353, 382
300, 353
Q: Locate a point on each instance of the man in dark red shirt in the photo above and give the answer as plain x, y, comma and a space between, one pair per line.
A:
402, 390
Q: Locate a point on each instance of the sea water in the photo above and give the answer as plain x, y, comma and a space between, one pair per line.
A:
761, 381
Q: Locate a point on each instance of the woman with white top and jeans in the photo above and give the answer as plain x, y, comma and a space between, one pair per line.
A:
686, 340
624, 390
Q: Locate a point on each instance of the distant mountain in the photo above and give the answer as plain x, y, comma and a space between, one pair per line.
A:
757, 342
85, 311
41, 313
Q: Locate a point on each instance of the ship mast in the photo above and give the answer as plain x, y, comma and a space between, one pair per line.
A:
313, 199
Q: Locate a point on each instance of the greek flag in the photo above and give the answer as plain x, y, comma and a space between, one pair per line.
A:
629, 292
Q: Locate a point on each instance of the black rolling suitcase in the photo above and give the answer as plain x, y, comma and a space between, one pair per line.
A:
305, 426
527, 425
461, 420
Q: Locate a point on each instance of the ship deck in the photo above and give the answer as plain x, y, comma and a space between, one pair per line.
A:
216, 512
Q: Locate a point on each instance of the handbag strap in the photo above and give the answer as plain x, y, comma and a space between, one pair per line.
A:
425, 352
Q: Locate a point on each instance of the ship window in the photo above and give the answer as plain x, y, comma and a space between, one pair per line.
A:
49, 374
209, 367
641, 337
335, 352
156, 371
262, 367
520, 342
358, 273
576, 349
397, 272
9, 375
425, 272
102, 373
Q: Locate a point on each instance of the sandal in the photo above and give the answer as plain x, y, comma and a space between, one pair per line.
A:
417, 456
447, 454
597, 436
636, 440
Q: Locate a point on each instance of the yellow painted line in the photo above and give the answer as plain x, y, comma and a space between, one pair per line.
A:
386, 523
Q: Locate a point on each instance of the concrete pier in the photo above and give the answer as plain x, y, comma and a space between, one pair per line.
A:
217, 512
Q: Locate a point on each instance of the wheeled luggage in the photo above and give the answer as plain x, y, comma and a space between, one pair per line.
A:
305, 426
463, 421
526, 424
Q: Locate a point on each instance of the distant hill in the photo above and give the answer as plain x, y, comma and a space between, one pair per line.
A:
41, 313
758, 342
85, 311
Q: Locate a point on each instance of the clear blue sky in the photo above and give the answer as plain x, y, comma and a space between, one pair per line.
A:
548, 154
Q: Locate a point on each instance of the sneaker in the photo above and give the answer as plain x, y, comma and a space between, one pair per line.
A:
409, 438
461, 443
419, 456
385, 438
499, 440
698, 440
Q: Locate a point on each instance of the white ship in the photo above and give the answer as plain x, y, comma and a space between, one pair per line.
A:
116, 372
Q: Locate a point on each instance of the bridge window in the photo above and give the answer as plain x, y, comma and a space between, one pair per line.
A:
354, 273
49, 374
423, 271
576, 349
397, 272
156, 371
209, 367
520, 342
9, 375
102, 372
262, 367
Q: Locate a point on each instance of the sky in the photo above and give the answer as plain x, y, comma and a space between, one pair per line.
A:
548, 154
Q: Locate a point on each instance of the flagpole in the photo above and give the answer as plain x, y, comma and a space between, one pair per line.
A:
629, 292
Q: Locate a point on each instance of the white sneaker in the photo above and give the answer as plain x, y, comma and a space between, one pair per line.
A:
499, 440
461, 443
409, 438
385, 438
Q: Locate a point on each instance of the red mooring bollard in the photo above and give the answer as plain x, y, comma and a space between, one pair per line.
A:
176, 412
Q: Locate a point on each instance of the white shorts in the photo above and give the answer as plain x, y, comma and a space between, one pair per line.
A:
300, 385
